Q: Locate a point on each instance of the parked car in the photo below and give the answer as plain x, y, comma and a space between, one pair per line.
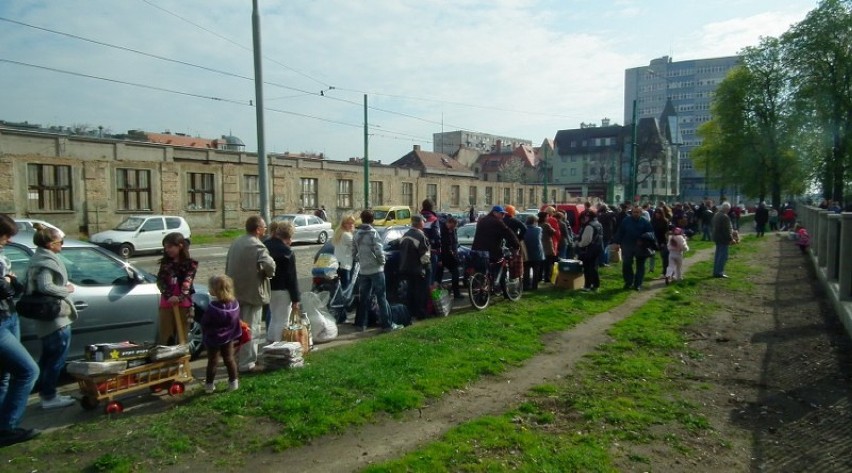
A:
27, 225
138, 233
465, 234
389, 215
308, 228
116, 301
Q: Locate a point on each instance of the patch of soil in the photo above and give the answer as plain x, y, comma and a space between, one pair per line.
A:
773, 381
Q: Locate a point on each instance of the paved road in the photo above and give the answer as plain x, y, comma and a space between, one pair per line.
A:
212, 261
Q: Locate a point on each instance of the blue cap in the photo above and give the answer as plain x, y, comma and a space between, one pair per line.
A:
498, 208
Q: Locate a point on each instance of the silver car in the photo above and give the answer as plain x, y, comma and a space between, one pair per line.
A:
115, 300
465, 234
308, 228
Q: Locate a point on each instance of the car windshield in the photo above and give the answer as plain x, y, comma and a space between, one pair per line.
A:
131, 224
285, 218
380, 214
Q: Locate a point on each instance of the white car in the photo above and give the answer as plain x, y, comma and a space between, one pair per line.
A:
28, 225
141, 233
307, 228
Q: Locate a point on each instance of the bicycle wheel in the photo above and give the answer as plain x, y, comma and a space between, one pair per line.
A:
512, 288
479, 289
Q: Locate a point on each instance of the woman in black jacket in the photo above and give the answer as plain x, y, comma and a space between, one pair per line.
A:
284, 285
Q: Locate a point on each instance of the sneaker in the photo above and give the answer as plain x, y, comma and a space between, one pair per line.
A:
637, 288
391, 328
13, 436
209, 388
233, 385
57, 402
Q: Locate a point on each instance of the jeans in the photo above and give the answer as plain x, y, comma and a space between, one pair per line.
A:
632, 279
54, 350
705, 232
719, 259
18, 374
373, 285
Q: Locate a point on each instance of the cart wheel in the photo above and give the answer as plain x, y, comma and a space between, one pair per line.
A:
89, 403
114, 407
177, 389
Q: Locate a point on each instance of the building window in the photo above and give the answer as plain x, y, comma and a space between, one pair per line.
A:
308, 194
408, 194
250, 193
376, 193
48, 187
507, 196
344, 193
532, 197
471, 195
489, 195
133, 189
520, 199
455, 196
432, 193
200, 191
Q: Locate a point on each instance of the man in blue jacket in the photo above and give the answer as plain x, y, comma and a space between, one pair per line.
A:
628, 236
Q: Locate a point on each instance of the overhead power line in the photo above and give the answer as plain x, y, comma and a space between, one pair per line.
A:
289, 68
229, 74
200, 96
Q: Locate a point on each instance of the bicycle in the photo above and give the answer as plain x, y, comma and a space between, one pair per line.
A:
482, 284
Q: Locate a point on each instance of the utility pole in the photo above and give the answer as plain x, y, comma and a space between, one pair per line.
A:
544, 193
262, 166
366, 159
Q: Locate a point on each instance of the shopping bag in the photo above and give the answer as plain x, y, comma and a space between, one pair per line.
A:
442, 302
297, 332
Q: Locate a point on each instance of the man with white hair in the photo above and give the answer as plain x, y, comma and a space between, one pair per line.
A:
723, 236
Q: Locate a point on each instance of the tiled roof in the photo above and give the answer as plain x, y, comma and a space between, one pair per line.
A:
429, 161
181, 140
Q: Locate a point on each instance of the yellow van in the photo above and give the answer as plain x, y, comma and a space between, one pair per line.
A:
387, 215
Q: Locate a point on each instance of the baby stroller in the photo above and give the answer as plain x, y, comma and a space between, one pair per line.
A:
341, 299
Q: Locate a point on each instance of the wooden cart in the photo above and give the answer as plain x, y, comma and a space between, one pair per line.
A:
156, 376
167, 374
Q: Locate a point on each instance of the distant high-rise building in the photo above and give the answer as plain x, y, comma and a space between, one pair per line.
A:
690, 85
449, 142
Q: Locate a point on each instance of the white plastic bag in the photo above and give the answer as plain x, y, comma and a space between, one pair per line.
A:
323, 326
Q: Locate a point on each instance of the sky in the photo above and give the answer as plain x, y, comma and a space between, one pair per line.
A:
518, 68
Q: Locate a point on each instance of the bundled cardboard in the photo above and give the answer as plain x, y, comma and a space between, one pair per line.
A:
121, 351
572, 281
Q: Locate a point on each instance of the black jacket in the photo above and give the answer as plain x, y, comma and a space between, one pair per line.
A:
413, 253
489, 236
285, 268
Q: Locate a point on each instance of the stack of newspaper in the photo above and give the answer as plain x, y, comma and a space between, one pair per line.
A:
282, 355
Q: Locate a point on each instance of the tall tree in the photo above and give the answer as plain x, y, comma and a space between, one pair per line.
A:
819, 54
747, 142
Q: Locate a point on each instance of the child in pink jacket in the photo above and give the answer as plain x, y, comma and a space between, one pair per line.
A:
677, 246
803, 239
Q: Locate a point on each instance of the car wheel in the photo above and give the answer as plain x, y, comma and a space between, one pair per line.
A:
193, 340
323, 237
125, 250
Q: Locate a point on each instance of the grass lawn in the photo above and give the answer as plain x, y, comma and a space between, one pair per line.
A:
350, 385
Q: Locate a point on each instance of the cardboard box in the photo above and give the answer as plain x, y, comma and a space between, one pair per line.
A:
116, 351
568, 280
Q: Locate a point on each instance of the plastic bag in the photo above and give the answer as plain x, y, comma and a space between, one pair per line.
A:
442, 302
322, 324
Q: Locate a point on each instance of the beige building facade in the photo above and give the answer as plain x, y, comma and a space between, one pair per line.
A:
86, 184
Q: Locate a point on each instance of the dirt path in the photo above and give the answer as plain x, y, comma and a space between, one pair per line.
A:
392, 437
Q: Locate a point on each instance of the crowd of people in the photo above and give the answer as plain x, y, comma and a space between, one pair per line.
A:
260, 277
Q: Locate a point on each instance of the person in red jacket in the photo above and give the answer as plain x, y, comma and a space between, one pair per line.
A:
551, 220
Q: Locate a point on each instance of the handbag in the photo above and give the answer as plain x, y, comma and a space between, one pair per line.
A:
38, 306
296, 332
